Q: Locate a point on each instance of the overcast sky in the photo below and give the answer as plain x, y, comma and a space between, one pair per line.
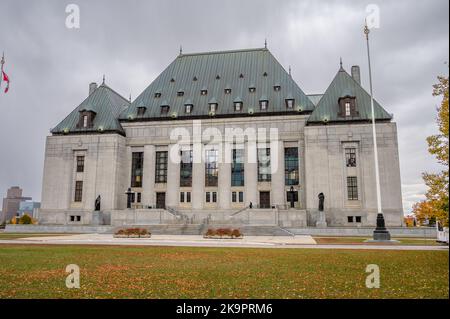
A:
132, 41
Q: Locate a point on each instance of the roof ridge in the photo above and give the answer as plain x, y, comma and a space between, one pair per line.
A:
223, 51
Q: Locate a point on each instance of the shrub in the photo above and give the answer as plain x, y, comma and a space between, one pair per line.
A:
132, 232
236, 233
223, 232
25, 220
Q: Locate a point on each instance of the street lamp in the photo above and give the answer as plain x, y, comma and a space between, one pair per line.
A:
375, 146
129, 194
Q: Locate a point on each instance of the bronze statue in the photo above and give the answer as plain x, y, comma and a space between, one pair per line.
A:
97, 203
321, 201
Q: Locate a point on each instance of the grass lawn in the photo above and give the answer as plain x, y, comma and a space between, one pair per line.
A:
188, 272
27, 235
360, 240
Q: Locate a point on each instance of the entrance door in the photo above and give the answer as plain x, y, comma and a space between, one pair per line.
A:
160, 200
292, 197
264, 199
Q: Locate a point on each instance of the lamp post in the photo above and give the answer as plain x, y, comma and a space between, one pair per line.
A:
129, 194
292, 196
375, 147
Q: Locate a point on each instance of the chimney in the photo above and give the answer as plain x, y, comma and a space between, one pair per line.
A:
356, 74
93, 86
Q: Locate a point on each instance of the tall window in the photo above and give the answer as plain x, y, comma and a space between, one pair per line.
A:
78, 191
291, 171
137, 163
264, 174
186, 169
347, 109
350, 157
80, 164
263, 104
212, 168
352, 188
161, 167
85, 121
237, 168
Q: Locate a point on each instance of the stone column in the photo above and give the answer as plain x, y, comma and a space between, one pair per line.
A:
277, 163
301, 175
148, 179
225, 177
251, 174
198, 177
173, 176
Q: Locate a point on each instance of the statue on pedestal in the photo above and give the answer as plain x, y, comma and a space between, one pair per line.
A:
97, 203
321, 220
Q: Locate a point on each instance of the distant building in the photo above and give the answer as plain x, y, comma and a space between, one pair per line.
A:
29, 208
11, 203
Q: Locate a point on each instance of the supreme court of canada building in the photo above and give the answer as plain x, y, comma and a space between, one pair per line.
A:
219, 138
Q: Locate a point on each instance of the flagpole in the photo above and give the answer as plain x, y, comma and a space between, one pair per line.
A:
2, 61
375, 146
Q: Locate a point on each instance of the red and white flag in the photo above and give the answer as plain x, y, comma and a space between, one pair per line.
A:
6, 79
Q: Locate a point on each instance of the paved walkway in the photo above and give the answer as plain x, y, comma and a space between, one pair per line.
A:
304, 241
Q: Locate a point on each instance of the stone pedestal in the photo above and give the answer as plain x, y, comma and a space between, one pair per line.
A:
381, 233
321, 220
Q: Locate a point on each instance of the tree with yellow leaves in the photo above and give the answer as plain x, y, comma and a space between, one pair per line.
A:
435, 206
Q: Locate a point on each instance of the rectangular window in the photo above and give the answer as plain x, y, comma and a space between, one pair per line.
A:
241, 197
85, 121
212, 168
263, 104
350, 157
264, 170
181, 197
161, 167
237, 106
80, 164
78, 218
186, 169
237, 168
291, 171
214, 197
139, 198
72, 218
352, 188
188, 197
208, 197
350, 219
78, 191
137, 163
347, 109
358, 219
164, 109
233, 197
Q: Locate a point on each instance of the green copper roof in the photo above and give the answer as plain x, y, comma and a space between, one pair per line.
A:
342, 85
107, 105
216, 71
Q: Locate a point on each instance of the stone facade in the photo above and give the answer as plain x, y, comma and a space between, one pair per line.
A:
82, 163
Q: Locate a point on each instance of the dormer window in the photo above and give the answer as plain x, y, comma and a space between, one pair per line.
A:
217, 77
238, 106
203, 92
194, 79
241, 76
165, 109
141, 110
188, 108
347, 109
347, 106
252, 89
277, 88
263, 104
180, 93
157, 94
86, 119
290, 103
172, 80
227, 91
212, 107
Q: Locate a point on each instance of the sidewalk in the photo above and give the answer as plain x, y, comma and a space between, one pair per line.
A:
304, 241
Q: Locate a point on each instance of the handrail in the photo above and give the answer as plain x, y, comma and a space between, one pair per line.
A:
239, 211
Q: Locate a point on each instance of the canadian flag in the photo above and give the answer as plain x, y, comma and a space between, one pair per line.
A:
6, 79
